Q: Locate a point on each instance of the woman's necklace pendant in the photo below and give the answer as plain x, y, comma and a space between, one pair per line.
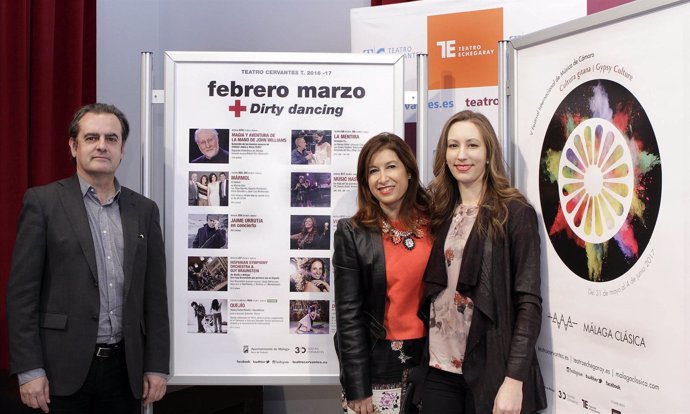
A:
409, 243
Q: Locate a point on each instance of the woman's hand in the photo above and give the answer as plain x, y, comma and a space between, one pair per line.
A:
365, 406
509, 397
321, 285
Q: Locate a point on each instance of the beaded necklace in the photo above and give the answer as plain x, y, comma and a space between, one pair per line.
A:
406, 237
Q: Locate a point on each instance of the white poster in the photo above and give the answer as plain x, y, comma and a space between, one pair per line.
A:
603, 158
262, 158
404, 29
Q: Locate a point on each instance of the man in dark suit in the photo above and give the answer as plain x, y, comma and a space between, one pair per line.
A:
223, 188
86, 299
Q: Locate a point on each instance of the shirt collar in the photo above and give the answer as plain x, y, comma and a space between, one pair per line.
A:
87, 188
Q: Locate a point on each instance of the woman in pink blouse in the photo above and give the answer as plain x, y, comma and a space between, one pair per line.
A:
482, 284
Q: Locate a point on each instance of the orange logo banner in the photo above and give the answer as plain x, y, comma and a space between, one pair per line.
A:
463, 48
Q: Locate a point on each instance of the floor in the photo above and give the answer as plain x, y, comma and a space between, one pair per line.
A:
179, 400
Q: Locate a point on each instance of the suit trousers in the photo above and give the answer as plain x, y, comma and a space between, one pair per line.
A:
106, 390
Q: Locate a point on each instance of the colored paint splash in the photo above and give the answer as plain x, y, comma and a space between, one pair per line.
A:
609, 101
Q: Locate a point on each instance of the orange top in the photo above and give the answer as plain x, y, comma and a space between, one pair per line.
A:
404, 272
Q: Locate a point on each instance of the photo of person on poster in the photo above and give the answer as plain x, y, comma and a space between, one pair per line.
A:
202, 186
207, 231
207, 273
206, 316
310, 232
193, 189
309, 317
322, 147
208, 188
223, 187
207, 146
310, 189
300, 154
310, 275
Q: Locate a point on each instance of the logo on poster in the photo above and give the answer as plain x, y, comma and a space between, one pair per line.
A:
462, 48
600, 180
238, 108
595, 180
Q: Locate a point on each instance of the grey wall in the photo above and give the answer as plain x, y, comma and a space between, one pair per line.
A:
128, 27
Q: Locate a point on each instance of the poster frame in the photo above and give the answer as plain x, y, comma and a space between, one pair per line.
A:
172, 60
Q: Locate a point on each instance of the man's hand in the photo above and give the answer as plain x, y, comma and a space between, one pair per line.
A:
154, 388
35, 393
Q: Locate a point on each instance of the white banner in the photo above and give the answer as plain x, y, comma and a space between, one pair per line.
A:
403, 29
602, 156
252, 297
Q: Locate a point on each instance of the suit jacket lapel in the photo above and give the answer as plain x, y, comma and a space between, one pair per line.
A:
130, 225
72, 202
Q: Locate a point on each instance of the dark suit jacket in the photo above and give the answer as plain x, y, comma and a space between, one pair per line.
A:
193, 193
52, 295
223, 187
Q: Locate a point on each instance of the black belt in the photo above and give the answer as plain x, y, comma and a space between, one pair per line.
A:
107, 350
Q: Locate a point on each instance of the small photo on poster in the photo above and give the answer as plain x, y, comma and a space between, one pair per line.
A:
310, 189
310, 232
309, 316
209, 146
310, 274
206, 316
311, 147
207, 231
207, 273
208, 188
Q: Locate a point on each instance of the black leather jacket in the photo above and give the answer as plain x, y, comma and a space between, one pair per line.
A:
360, 300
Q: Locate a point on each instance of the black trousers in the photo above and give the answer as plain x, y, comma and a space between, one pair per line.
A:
106, 390
446, 393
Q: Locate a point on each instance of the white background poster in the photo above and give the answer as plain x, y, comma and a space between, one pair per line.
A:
602, 156
292, 125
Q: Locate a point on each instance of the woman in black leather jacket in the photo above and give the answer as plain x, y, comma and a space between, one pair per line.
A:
379, 259
482, 285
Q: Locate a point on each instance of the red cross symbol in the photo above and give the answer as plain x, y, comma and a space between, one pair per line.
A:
238, 108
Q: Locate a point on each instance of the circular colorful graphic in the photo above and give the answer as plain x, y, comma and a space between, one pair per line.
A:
595, 180
600, 180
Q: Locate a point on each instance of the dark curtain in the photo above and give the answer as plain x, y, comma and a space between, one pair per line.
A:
47, 71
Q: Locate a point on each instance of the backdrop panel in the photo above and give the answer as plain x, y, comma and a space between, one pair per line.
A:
600, 110
461, 38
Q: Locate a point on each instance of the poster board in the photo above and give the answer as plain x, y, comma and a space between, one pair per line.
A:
599, 108
284, 131
461, 39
